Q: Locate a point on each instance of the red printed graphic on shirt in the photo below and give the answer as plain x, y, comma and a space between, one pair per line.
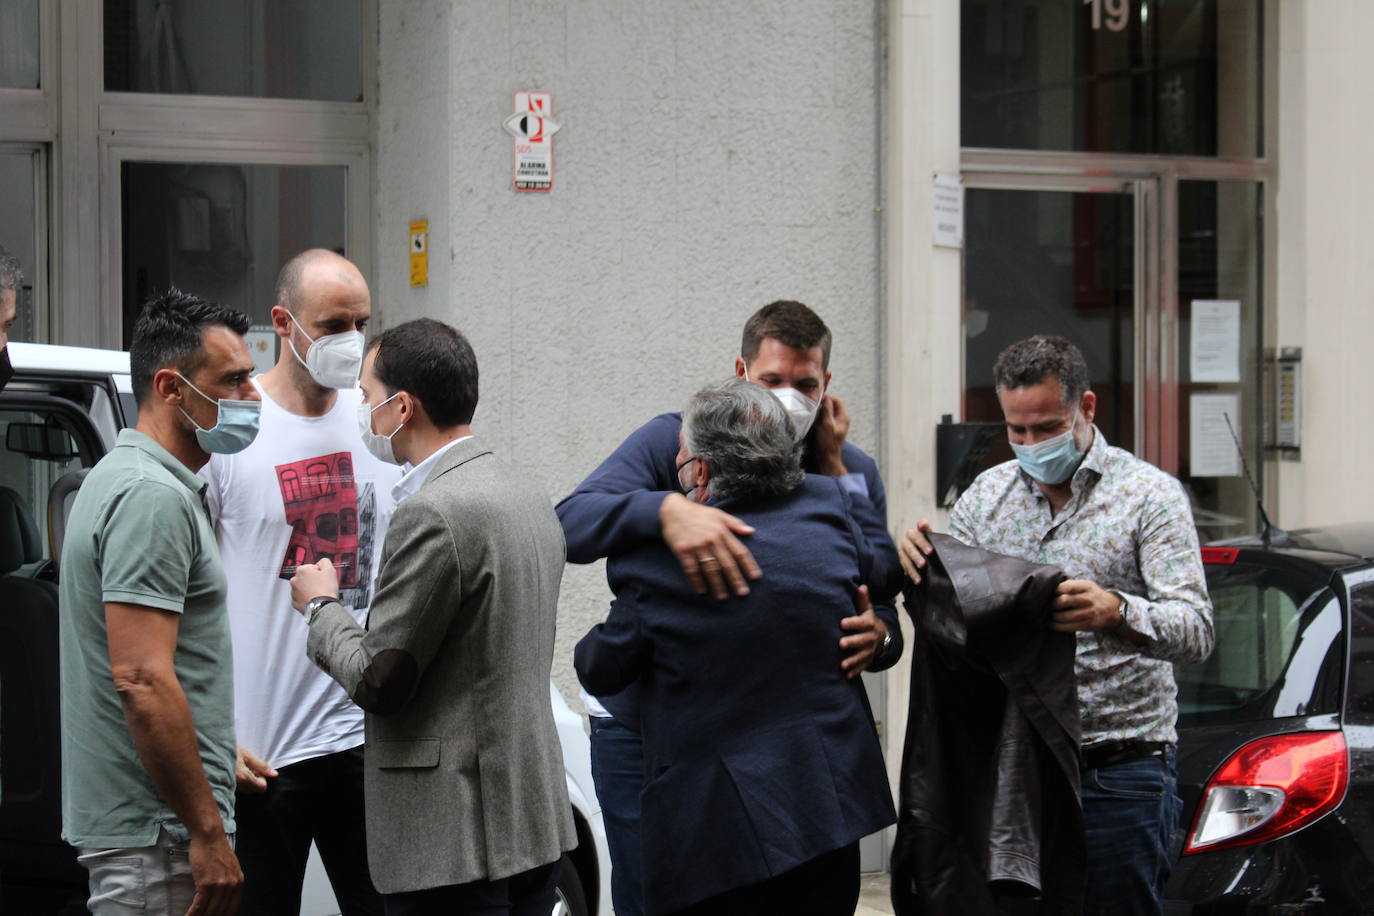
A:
331, 515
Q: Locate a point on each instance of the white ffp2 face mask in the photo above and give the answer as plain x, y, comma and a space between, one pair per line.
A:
334, 360
379, 446
799, 407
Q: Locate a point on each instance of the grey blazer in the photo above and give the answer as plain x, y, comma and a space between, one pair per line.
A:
464, 772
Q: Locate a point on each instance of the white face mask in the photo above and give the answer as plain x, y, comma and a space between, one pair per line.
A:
334, 360
799, 407
379, 446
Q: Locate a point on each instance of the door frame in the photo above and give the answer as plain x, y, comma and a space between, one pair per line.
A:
1153, 180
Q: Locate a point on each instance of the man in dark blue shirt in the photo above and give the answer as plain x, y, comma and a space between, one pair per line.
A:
635, 497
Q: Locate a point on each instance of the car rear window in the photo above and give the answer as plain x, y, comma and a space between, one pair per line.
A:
1278, 649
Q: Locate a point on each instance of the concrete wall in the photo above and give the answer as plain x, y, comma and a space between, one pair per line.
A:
1325, 272
714, 156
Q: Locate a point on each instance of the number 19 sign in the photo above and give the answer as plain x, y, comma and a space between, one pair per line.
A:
532, 127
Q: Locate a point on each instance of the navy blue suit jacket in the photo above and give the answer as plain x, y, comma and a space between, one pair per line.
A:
616, 510
759, 754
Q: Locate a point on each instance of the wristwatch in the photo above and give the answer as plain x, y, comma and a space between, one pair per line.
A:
887, 641
312, 607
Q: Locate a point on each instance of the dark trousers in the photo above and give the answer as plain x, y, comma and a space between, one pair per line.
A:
618, 774
1130, 811
529, 893
320, 799
827, 885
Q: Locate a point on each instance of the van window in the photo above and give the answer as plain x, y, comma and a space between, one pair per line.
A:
36, 449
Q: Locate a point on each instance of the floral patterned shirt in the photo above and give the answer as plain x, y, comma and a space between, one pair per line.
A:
1128, 527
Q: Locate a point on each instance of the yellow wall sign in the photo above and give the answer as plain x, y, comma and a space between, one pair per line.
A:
419, 252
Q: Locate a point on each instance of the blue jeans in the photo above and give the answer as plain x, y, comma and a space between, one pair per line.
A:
618, 774
1130, 811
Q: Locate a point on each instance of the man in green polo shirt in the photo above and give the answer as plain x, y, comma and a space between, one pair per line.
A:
147, 674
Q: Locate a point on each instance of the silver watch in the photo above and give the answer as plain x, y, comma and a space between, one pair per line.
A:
312, 607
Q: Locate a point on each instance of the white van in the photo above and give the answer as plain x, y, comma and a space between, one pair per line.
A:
58, 416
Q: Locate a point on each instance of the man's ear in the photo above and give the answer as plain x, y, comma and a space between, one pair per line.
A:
281, 321
1088, 406
410, 407
701, 475
167, 386
740, 368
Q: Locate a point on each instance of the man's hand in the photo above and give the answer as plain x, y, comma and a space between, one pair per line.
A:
914, 550
311, 581
251, 771
867, 632
1081, 605
703, 538
217, 876
832, 426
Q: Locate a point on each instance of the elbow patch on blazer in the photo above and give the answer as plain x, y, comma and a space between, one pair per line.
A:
387, 682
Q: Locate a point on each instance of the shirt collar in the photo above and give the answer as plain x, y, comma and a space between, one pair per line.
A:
132, 438
415, 477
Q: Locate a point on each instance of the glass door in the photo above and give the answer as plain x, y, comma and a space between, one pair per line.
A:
23, 232
1056, 257
1156, 276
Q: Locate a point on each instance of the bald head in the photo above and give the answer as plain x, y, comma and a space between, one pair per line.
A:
312, 272
319, 294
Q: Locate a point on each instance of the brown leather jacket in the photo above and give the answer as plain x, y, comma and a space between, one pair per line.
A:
990, 819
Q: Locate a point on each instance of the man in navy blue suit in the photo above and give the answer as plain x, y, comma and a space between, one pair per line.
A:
633, 498
764, 768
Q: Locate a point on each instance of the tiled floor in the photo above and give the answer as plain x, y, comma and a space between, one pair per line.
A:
873, 896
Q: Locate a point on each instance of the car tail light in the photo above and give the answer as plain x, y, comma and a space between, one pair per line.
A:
1269, 788
1220, 556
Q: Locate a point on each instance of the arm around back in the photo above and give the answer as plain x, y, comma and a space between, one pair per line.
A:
616, 507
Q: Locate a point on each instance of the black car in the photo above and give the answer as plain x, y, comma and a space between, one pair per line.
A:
1276, 731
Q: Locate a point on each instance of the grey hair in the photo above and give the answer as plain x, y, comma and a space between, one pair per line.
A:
11, 276
1031, 361
746, 438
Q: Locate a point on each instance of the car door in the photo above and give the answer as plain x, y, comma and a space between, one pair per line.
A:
53, 426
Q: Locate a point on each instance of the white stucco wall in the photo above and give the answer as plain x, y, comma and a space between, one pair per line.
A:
714, 156
1325, 272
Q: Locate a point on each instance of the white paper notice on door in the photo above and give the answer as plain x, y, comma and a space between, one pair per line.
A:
1216, 341
1212, 452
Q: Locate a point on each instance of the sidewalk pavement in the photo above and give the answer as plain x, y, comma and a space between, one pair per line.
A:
874, 899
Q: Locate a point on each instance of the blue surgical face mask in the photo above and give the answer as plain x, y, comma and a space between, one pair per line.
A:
235, 427
1053, 461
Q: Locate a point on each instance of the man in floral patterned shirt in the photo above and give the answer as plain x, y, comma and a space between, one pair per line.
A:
1122, 530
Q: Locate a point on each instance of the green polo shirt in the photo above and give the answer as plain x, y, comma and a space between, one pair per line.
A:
139, 533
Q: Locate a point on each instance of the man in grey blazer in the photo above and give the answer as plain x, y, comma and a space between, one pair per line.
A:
467, 810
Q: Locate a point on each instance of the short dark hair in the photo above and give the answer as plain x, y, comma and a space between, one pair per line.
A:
789, 323
435, 363
170, 332
1031, 361
11, 275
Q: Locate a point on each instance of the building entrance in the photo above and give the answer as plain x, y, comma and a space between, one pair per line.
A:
1153, 268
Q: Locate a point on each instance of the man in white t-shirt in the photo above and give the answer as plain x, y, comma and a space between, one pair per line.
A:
305, 489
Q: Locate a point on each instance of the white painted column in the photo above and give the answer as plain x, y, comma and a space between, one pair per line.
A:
922, 329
